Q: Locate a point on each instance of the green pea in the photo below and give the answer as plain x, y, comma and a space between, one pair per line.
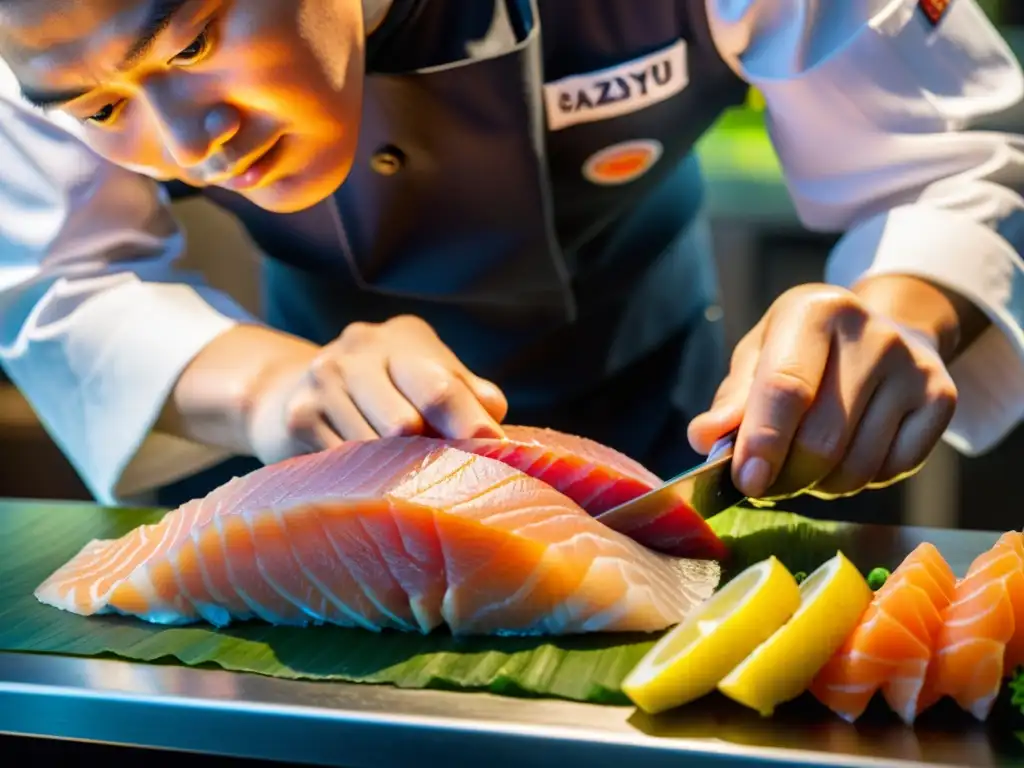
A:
799, 576
877, 578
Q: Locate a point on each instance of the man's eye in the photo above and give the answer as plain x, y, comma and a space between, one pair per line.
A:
105, 115
196, 51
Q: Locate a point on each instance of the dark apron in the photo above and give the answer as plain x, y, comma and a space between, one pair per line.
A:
587, 303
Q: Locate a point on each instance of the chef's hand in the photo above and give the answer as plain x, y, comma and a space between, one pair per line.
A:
387, 379
832, 395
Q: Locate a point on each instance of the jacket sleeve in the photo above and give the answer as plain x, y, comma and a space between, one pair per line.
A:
96, 324
873, 108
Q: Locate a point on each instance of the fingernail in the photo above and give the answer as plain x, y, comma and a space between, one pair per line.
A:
755, 475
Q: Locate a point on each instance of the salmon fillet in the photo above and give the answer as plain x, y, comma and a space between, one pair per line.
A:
599, 478
401, 533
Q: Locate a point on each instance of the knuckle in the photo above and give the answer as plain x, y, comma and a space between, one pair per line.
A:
844, 307
324, 367
437, 395
944, 395
409, 323
328, 368
891, 346
825, 446
356, 335
790, 389
765, 441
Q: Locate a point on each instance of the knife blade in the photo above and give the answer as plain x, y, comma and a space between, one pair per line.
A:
707, 488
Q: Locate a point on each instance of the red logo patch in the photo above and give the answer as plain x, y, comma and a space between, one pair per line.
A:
934, 10
622, 163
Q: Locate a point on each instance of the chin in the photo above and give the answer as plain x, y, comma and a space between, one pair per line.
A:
317, 181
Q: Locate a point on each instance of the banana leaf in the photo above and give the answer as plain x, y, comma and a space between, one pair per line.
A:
36, 539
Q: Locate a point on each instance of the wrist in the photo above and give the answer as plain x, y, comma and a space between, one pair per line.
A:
215, 400
946, 320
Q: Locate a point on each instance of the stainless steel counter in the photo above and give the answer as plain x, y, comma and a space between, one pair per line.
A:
374, 727
359, 726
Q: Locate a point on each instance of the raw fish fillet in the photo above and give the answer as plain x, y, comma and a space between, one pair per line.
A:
891, 647
402, 533
599, 478
982, 636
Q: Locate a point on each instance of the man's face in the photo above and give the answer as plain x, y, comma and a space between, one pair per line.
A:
259, 96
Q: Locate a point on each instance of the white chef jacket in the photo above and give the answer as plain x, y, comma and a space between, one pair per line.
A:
869, 107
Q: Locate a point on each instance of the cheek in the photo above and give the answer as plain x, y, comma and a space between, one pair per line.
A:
300, 62
134, 148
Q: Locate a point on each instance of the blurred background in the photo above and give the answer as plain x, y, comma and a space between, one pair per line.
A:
762, 251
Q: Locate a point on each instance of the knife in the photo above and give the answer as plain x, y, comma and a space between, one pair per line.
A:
707, 488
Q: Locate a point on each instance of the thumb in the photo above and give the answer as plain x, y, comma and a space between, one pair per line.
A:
707, 428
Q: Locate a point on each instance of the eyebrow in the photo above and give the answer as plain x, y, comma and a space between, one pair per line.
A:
51, 99
159, 17
161, 14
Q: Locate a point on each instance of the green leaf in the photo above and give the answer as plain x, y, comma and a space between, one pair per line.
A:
1017, 687
800, 543
36, 539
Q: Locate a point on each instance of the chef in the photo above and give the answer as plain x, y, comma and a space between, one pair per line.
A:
474, 210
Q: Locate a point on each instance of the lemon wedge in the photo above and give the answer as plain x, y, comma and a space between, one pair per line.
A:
692, 658
832, 600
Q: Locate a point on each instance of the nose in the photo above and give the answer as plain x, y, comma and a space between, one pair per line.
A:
193, 133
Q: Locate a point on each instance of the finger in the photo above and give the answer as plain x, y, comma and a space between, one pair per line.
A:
336, 406
323, 435
308, 432
706, 429
730, 401
385, 409
488, 393
442, 398
789, 372
866, 453
918, 435
829, 427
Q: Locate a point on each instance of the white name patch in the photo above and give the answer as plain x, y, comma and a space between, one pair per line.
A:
618, 90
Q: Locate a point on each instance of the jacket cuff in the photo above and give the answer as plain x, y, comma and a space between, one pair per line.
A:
969, 258
127, 349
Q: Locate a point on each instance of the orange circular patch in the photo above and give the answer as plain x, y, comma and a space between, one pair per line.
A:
622, 163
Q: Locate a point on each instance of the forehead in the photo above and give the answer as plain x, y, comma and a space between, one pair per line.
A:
67, 42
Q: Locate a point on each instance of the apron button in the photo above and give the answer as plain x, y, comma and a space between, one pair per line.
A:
713, 313
387, 161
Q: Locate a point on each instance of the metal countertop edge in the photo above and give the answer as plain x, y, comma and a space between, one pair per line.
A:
354, 739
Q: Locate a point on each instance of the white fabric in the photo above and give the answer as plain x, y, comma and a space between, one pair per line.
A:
870, 108
96, 324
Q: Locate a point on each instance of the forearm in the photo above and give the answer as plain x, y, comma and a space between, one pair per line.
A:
949, 320
211, 403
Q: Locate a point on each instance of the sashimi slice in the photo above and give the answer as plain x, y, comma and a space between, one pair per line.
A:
401, 533
599, 478
879, 648
925, 569
891, 647
980, 642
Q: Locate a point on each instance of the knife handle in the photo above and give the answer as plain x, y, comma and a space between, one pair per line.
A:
723, 446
